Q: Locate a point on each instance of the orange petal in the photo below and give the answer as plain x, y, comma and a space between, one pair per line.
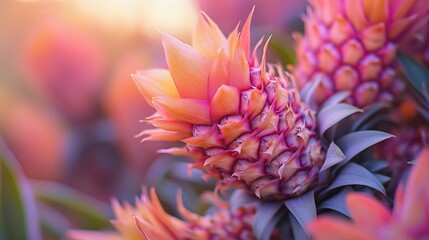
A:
193, 111
232, 42
367, 213
183, 128
239, 75
376, 10
155, 82
189, 68
245, 36
207, 37
355, 13
160, 135
219, 73
211, 138
328, 228
225, 102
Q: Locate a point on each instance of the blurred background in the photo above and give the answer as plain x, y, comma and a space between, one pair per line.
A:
69, 109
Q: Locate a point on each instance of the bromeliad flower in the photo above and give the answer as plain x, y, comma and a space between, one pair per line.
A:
243, 122
148, 220
351, 45
409, 218
245, 125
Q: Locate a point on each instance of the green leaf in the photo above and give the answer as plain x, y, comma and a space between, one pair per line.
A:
18, 216
334, 155
329, 116
416, 74
266, 218
303, 208
355, 142
354, 174
91, 213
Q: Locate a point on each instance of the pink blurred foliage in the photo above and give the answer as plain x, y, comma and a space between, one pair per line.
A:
36, 136
125, 107
65, 65
275, 13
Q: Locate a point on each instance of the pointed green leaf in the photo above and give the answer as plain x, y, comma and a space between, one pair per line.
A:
334, 155
91, 212
329, 116
266, 218
335, 99
416, 74
337, 203
303, 208
355, 142
354, 174
18, 216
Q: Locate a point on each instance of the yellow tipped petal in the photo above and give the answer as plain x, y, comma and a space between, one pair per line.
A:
225, 102
239, 75
155, 82
189, 68
187, 110
219, 73
245, 36
376, 10
207, 37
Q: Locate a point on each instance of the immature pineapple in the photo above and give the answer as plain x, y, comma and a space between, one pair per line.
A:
244, 125
148, 220
351, 45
